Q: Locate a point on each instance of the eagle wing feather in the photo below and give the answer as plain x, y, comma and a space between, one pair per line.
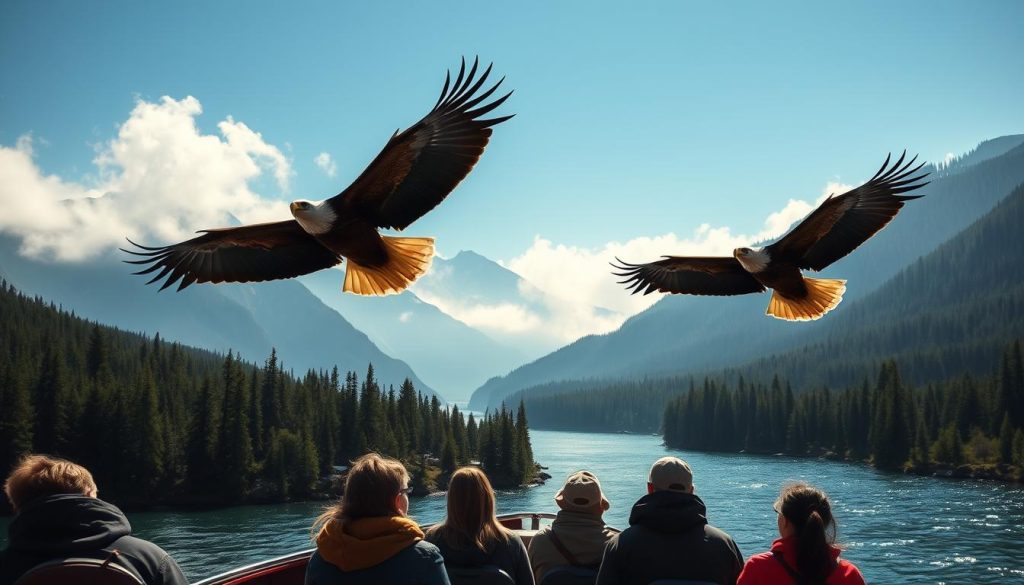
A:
719, 276
251, 253
419, 167
840, 224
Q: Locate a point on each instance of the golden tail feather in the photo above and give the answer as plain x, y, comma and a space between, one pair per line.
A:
408, 259
823, 295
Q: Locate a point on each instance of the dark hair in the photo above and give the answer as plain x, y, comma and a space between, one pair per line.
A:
807, 508
370, 489
471, 520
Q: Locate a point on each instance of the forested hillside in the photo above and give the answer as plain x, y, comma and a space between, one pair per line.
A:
686, 334
962, 420
943, 316
160, 423
249, 318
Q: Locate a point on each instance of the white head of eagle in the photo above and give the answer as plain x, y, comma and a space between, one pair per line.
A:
752, 260
315, 218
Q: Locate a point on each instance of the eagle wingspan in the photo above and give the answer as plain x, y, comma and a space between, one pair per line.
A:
718, 276
840, 224
252, 253
419, 167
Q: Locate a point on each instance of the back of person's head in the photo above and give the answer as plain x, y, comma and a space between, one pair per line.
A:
582, 493
37, 476
371, 487
471, 520
670, 474
808, 509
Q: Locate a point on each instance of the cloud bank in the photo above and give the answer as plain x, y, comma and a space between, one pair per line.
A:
158, 180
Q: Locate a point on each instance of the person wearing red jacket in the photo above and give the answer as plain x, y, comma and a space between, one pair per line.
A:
806, 553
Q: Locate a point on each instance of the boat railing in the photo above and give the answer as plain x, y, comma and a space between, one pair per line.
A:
291, 567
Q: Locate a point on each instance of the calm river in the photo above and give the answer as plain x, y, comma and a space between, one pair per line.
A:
897, 529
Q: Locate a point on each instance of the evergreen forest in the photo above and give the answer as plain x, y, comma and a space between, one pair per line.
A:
160, 423
971, 425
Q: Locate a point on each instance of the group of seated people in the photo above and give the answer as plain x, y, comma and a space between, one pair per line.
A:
367, 538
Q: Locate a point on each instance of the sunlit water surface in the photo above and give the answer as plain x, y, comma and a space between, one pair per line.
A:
897, 529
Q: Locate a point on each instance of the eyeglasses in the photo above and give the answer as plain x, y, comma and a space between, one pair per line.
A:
406, 490
775, 507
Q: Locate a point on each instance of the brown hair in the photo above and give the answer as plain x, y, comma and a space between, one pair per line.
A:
471, 519
37, 476
370, 489
810, 512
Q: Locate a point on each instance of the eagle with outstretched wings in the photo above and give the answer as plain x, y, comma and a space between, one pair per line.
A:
414, 172
837, 227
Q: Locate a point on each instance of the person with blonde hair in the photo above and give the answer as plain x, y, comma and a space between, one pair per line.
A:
578, 535
471, 536
367, 538
806, 551
58, 514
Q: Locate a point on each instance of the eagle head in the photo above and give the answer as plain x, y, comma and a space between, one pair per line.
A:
315, 218
752, 260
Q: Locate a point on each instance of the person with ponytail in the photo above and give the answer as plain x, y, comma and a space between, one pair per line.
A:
368, 538
805, 553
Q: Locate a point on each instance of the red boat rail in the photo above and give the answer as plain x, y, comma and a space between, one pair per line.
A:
290, 569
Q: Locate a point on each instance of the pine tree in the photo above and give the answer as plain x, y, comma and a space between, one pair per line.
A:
1006, 440
236, 449
52, 425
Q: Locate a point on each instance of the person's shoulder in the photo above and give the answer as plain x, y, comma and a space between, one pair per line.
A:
425, 550
718, 533
759, 558
849, 574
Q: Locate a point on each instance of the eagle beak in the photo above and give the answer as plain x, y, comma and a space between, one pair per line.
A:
294, 206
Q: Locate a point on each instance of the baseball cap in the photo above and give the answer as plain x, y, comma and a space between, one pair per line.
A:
671, 473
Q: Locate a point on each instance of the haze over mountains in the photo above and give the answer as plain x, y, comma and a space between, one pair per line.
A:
682, 334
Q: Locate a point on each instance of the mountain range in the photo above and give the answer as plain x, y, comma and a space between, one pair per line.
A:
683, 334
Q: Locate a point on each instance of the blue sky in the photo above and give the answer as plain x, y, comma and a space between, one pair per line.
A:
638, 119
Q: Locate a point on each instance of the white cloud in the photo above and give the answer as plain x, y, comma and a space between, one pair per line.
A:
159, 180
326, 164
578, 280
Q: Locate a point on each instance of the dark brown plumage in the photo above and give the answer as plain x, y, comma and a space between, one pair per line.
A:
833, 230
413, 173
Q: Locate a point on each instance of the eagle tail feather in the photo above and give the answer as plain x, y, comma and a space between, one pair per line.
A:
408, 259
823, 295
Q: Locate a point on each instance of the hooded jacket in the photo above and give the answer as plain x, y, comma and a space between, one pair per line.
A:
669, 538
764, 569
509, 556
374, 551
67, 525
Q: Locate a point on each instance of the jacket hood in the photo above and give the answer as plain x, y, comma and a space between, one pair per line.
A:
366, 542
669, 512
66, 523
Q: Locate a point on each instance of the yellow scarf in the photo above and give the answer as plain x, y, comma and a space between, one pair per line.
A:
366, 542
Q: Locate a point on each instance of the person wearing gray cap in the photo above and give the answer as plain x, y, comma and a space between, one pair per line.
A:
577, 536
669, 536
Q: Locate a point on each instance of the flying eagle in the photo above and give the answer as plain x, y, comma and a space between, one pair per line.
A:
414, 172
837, 227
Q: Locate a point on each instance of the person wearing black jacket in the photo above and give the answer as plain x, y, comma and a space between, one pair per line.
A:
58, 515
669, 536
